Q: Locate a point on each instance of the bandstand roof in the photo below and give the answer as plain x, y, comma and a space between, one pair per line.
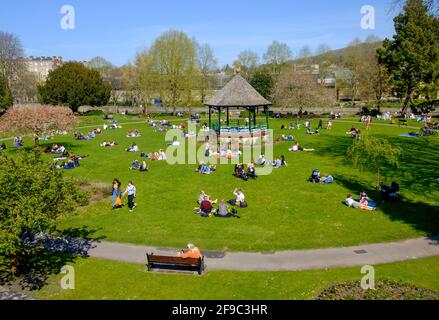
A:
238, 93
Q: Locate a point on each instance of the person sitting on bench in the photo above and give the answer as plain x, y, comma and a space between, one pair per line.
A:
191, 253
223, 211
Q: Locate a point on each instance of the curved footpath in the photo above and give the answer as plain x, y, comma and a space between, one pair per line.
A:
294, 260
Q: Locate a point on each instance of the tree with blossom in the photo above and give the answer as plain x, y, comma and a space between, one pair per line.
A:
37, 119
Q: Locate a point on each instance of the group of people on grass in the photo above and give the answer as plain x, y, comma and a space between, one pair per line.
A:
133, 134
67, 162
206, 205
56, 149
118, 195
142, 167
243, 174
155, 156
91, 135
317, 178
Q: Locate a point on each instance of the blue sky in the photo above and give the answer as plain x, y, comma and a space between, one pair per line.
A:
117, 29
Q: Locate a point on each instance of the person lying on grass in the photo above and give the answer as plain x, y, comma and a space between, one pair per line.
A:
3, 146
297, 147
312, 133
351, 203
205, 169
278, 163
108, 144
287, 138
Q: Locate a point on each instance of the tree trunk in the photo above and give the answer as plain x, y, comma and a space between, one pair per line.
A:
407, 101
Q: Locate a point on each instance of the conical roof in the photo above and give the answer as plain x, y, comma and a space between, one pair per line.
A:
238, 93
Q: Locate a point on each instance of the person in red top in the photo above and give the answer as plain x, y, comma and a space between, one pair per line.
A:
206, 207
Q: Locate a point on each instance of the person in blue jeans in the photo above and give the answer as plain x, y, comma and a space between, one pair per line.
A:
116, 191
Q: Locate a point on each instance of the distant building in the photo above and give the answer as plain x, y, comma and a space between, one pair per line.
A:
41, 66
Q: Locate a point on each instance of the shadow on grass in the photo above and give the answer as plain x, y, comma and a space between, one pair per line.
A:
420, 216
50, 255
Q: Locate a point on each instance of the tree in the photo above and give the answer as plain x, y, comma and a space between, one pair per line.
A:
173, 59
300, 89
207, 63
11, 56
75, 85
6, 100
277, 54
37, 119
412, 57
35, 197
370, 153
263, 82
247, 63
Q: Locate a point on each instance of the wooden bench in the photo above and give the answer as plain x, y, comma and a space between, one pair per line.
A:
174, 263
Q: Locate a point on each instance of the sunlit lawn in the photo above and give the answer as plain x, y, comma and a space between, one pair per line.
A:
285, 211
108, 280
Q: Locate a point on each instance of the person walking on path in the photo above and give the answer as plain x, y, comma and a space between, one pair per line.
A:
115, 199
131, 191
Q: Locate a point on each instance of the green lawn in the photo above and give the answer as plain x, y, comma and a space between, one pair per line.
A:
285, 211
106, 280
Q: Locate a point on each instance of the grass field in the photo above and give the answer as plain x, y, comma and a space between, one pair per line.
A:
285, 211
106, 280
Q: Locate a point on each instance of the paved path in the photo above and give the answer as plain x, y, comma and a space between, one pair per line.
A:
286, 260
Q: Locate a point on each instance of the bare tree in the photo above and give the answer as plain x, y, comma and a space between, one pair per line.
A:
11, 57
207, 63
300, 89
247, 62
277, 54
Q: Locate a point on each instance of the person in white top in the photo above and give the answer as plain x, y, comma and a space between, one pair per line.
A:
240, 198
131, 191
